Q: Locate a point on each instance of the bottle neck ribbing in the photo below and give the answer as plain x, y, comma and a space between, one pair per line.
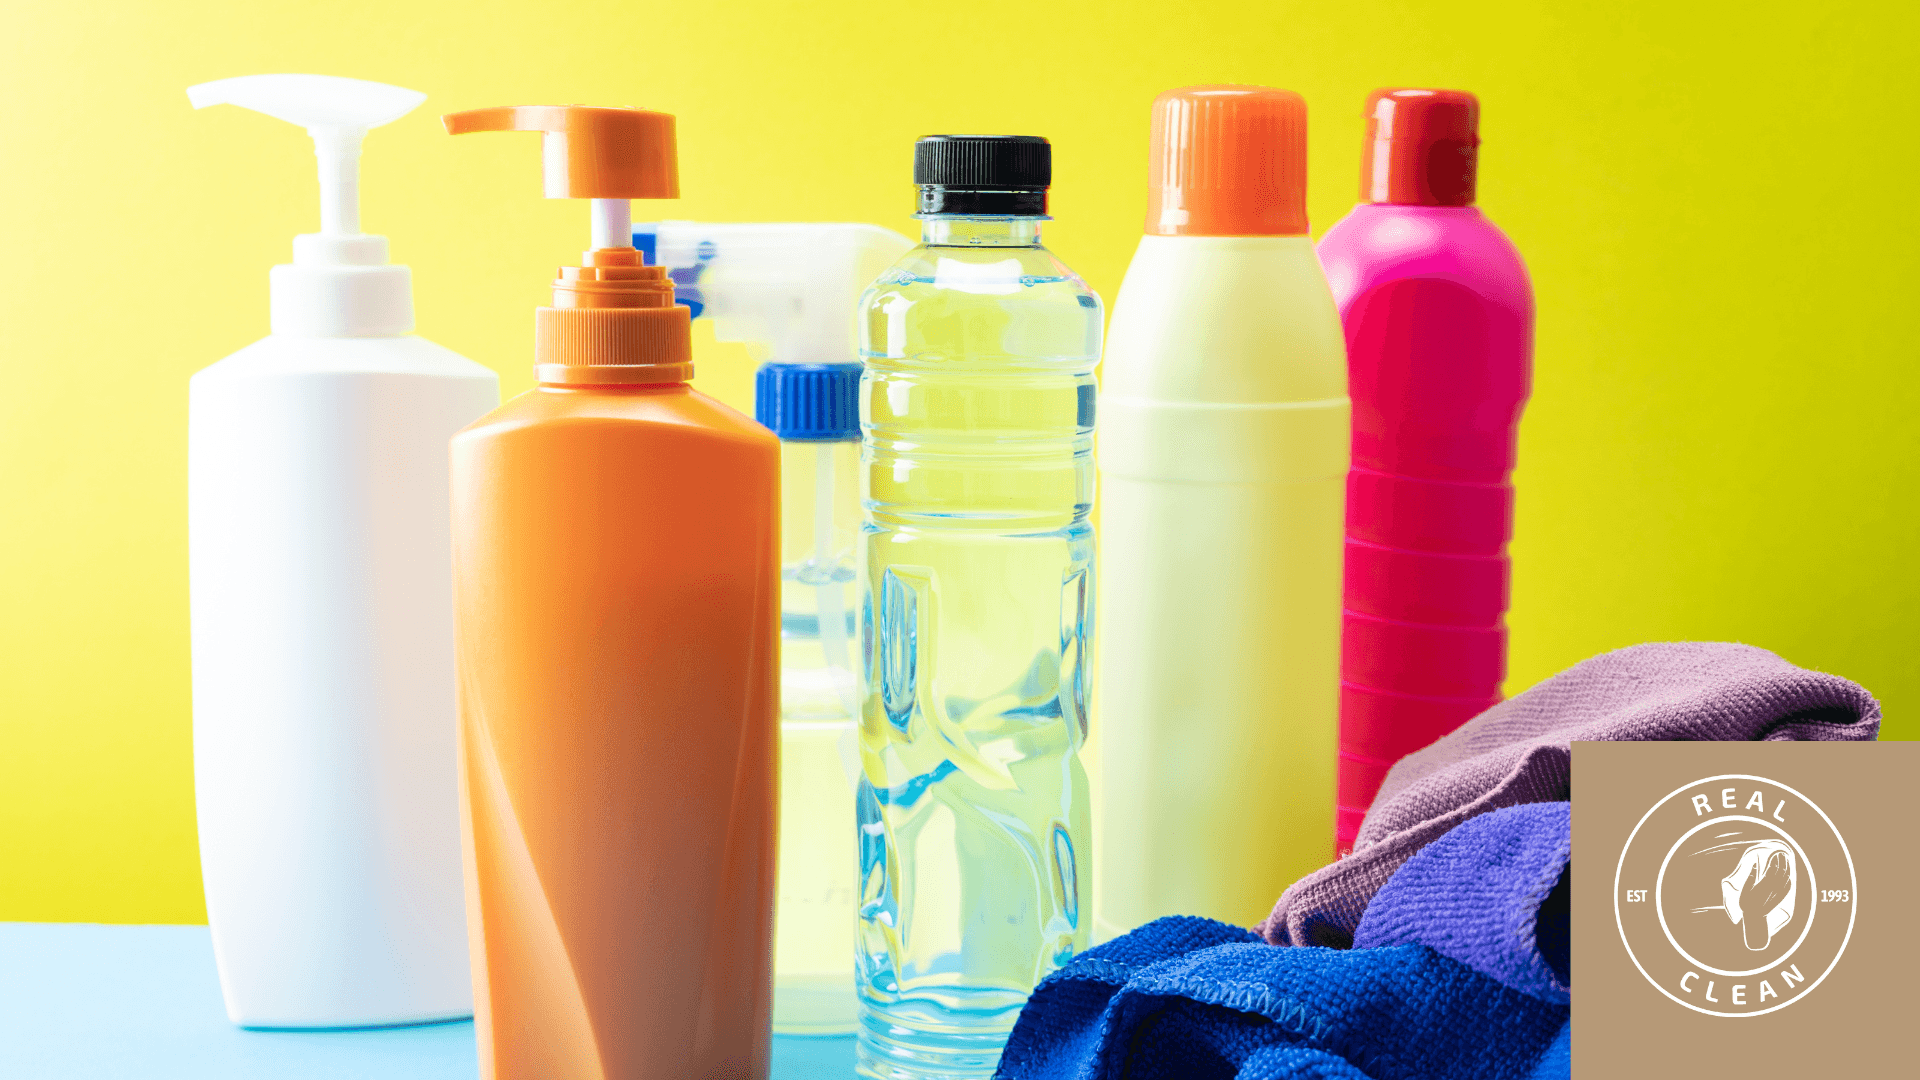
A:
613, 321
959, 230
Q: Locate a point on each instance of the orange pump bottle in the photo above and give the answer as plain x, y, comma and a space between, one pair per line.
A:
615, 573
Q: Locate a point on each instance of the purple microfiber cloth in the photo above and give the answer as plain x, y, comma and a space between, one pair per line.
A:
1461, 973
1493, 894
1517, 752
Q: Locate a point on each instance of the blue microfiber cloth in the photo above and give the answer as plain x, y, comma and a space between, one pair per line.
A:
1459, 970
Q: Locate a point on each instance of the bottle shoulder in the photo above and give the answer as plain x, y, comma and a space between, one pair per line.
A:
1225, 320
1378, 244
948, 274
979, 311
279, 356
661, 414
925, 259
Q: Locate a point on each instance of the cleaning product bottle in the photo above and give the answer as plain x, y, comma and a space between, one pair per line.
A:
787, 291
976, 600
323, 670
1439, 326
1223, 455
616, 594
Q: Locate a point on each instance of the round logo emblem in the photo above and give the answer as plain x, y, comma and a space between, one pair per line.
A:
1735, 895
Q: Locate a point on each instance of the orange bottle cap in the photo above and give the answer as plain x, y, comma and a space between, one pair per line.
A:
1228, 160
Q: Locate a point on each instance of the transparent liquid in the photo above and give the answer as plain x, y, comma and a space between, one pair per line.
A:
976, 602
813, 983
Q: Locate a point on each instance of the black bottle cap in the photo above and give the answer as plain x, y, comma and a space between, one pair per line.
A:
987, 175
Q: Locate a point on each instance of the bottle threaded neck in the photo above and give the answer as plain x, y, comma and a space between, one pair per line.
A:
612, 278
995, 231
613, 320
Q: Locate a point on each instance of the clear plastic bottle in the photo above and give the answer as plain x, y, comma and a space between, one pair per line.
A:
977, 410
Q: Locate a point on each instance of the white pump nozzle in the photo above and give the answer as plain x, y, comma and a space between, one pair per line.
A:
339, 284
337, 112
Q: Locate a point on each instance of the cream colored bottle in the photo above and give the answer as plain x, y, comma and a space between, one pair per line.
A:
1223, 461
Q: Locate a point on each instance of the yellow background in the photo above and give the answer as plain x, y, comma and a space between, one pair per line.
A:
1715, 200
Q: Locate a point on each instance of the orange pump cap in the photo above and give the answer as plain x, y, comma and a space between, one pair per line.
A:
613, 318
590, 152
1228, 160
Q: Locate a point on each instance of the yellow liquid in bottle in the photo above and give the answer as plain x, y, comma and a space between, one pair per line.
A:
976, 594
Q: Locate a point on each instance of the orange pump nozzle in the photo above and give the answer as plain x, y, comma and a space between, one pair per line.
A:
590, 152
613, 318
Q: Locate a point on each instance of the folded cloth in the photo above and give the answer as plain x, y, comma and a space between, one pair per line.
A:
1492, 894
1449, 981
1517, 752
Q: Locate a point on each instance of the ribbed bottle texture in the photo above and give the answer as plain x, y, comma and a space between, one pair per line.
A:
1439, 323
614, 314
808, 401
991, 162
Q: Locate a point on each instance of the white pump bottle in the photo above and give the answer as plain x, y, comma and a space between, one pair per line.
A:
788, 291
323, 666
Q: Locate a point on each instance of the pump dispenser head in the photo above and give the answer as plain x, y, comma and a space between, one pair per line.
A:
1228, 160
339, 284
613, 318
1423, 147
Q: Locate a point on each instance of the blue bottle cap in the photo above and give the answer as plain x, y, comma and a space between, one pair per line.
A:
809, 402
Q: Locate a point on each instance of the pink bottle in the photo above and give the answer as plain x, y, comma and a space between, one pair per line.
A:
1439, 323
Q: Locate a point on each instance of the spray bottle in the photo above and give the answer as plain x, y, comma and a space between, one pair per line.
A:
616, 583
788, 291
1439, 325
1222, 461
323, 669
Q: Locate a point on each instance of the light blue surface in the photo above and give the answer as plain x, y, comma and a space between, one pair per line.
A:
84, 1002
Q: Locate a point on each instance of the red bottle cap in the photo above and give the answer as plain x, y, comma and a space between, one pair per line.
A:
1422, 147
1228, 161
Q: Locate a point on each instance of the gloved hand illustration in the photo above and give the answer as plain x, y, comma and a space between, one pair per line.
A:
1759, 894
1764, 889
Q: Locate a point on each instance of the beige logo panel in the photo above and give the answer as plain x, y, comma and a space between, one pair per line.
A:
1745, 908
